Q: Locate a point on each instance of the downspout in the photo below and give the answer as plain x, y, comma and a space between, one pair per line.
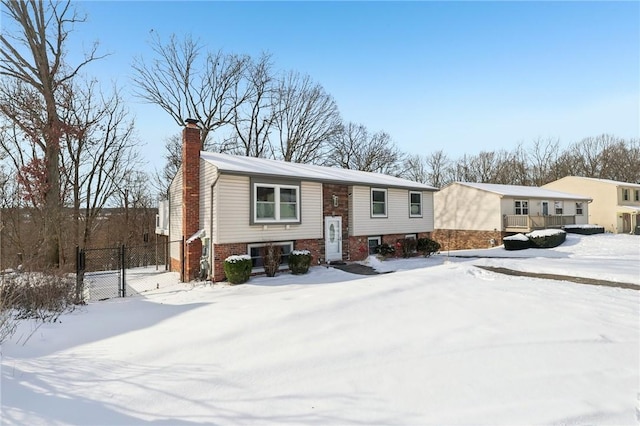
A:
211, 245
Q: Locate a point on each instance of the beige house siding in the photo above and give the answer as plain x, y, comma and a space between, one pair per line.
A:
208, 175
461, 207
607, 198
397, 221
175, 214
233, 222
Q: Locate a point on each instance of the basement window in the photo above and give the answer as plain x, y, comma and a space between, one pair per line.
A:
255, 251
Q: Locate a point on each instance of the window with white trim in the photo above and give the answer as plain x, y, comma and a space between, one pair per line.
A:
637, 195
558, 207
378, 202
373, 242
415, 204
625, 194
255, 251
579, 209
522, 207
276, 203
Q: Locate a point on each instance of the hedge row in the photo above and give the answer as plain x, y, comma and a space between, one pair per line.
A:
536, 239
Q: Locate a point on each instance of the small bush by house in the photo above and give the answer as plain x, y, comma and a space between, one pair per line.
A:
237, 268
516, 242
427, 246
299, 261
408, 246
547, 238
584, 229
271, 256
385, 250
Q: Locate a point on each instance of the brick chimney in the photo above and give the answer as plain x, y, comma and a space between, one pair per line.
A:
191, 198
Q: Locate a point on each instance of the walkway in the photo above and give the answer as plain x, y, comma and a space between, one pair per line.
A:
579, 280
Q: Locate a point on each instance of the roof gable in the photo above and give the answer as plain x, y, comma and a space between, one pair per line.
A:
604, 181
252, 166
522, 191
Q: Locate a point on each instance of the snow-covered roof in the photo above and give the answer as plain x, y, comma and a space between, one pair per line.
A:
611, 182
252, 166
523, 191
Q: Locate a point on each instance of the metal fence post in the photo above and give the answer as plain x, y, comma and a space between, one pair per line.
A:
123, 266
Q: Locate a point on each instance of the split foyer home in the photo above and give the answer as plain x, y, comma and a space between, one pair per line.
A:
615, 206
221, 205
478, 215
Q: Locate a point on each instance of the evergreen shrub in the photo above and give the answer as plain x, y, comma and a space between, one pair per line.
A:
427, 246
547, 238
237, 268
385, 250
299, 261
516, 242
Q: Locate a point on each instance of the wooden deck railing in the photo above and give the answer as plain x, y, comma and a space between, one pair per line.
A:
526, 223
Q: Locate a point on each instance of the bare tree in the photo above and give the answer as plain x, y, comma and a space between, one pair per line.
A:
542, 155
33, 61
306, 119
253, 118
99, 155
188, 82
433, 169
354, 148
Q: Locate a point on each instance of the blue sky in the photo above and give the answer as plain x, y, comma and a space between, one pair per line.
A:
455, 76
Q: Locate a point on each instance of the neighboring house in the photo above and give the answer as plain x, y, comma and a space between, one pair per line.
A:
222, 205
615, 205
479, 215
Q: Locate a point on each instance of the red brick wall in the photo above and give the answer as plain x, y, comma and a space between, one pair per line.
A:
191, 198
460, 239
222, 251
359, 246
316, 247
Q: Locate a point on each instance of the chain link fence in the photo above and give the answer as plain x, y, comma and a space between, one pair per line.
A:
105, 273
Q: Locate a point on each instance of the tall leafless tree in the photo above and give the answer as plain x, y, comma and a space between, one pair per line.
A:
306, 118
32, 61
433, 168
188, 82
99, 155
253, 118
354, 148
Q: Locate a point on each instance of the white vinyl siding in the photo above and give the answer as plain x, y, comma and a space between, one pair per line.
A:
397, 220
232, 220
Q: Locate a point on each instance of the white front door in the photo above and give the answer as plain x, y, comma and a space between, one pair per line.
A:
333, 238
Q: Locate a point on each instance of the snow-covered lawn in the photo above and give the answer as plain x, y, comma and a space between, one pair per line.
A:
438, 341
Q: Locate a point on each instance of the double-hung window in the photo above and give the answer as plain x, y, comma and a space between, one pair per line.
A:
557, 205
415, 204
637, 196
522, 207
276, 203
579, 210
378, 202
625, 194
